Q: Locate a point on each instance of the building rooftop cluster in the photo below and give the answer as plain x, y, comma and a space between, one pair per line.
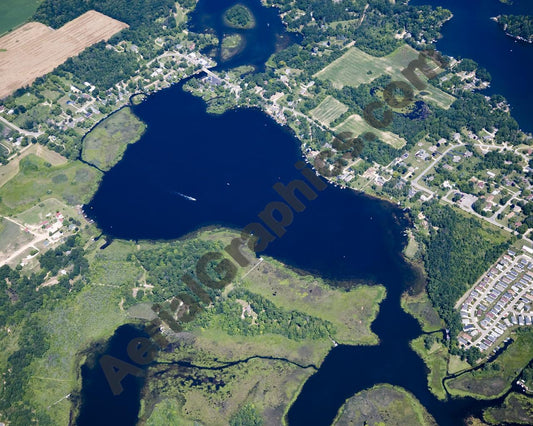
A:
502, 299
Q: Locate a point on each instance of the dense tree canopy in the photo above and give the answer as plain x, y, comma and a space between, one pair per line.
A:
135, 13
458, 251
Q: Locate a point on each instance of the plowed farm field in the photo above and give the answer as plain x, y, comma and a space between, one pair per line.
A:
34, 49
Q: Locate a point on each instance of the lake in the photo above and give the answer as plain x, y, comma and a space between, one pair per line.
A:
472, 34
99, 406
192, 170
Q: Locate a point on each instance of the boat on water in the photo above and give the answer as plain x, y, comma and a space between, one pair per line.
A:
187, 197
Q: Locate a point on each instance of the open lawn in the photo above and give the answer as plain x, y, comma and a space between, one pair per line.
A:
11, 169
106, 143
11, 237
329, 110
495, 378
383, 404
357, 125
41, 211
456, 364
16, 12
37, 180
181, 15
356, 67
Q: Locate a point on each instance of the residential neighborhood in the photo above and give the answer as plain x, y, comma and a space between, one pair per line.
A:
501, 300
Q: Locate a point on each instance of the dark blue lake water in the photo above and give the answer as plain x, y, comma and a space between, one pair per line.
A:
191, 170
100, 406
472, 34
267, 36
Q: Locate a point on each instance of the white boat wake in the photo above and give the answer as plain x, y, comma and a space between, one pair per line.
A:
187, 197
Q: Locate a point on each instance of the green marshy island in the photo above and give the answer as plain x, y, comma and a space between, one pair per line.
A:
231, 45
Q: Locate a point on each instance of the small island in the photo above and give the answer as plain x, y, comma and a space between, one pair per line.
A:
239, 17
231, 45
519, 27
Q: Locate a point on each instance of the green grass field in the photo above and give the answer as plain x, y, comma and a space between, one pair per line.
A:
356, 67
16, 12
106, 143
496, 377
37, 214
11, 236
37, 180
357, 125
383, 405
456, 364
329, 110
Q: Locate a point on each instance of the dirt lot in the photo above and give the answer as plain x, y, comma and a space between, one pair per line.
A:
34, 49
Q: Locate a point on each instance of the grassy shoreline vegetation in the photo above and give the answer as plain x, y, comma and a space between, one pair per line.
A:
104, 145
37, 180
249, 318
435, 356
383, 404
118, 284
420, 307
231, 45
496, 377
516, 409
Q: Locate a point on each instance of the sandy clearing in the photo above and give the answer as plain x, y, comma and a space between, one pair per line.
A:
34, 49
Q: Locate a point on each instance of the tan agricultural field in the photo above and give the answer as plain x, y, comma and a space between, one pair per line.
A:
34, 49
329, 110
357, 125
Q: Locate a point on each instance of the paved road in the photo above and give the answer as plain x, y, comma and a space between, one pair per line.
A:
18, 129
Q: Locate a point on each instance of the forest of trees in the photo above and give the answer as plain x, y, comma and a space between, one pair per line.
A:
135, 13
458, 251
166, 264
102, 67
246, 416
238, 16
